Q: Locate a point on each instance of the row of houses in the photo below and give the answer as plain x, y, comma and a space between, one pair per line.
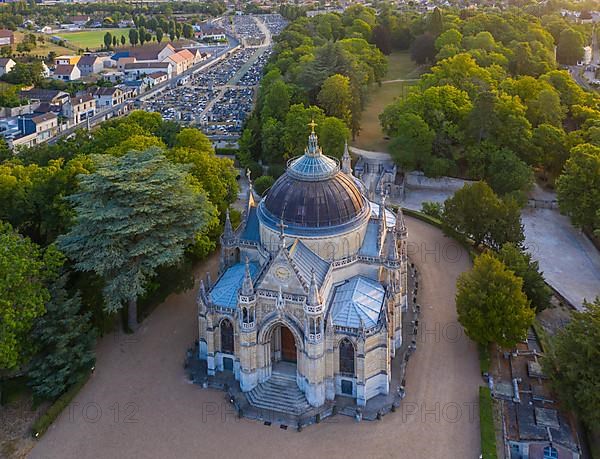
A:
130, 64
51, 111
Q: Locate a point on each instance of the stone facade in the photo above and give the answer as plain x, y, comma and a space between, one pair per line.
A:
319, 287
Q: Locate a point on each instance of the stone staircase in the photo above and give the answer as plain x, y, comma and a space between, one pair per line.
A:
280, 393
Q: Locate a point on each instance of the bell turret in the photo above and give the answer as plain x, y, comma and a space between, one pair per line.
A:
314, 297
247, 286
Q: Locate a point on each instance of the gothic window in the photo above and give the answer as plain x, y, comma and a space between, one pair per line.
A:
245, 315
346, 357
226, 337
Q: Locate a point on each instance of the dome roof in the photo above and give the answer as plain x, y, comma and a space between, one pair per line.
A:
330, 202
314, 193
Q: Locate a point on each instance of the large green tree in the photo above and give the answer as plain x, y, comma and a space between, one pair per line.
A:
335, 98
134, 214
521, 263
578, 188
570, 47
25, 273
573, 363
65, 341
478, 213
491, 304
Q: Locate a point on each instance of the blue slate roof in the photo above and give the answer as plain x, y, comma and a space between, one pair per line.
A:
119, 55
251, 231
390, 218
357, 302
369, 245
224, 292
306, 260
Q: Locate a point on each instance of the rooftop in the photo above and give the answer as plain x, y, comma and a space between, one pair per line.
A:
357, 302
224, 292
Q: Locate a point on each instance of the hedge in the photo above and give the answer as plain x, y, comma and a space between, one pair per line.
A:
486, 424
40, 426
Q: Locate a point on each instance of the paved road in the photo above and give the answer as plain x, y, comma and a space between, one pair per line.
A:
150, 410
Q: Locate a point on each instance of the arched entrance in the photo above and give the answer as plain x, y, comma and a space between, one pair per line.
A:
289, 352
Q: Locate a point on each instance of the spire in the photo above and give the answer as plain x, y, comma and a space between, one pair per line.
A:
382, 218
280, 303
346, 160
228, 232
314, 298
313, 148
400, 224
250, 196
247, 287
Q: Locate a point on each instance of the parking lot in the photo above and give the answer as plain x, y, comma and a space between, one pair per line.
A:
219, 100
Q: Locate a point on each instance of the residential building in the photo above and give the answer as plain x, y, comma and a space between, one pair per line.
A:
90, 64
52, 98
44, 126
78, 109
79, 20
6, 65
7, 37
209, 32
67, 60
155, 78
137, 70
67, 73
108, 97
154, 52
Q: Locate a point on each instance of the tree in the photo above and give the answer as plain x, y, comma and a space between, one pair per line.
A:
491, 304
25, 272
66, 341
133, 37
423, 49
521, 263
188, 31
549, 148
142, 35
159, 34
570, 47
335, 98
295, 131
476, 212
578, 188
333, 134
436, 22
108, 40
573, 363
277, 101
263, 183
412, 142
123, 233
25, 74
123, 40
114, 41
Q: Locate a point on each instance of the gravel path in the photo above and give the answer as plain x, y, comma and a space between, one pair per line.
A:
138, 404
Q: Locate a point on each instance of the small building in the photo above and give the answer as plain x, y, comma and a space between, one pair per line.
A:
46, 29
209, 32
108, 97
137, 70
113, 76
7, 37
6, 65
587, 56
67, 73
67, 60
79, 109
79, 20
90, 64
155, 78
45, 126
53, 98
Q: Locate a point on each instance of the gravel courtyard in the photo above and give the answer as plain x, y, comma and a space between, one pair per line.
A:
138, 403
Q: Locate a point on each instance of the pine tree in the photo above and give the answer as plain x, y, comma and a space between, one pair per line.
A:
66, 340
134, 214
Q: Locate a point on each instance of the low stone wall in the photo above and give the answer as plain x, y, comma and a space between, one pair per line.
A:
418, 180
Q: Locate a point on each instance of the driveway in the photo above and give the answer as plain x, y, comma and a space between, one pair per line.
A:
139, 404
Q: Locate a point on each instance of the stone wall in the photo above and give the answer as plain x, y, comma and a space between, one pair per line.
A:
418, 180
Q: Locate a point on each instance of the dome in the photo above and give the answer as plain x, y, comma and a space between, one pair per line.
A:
314, 193
330, 202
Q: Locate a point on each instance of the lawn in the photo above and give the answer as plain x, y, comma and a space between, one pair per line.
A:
91, 39
400, 67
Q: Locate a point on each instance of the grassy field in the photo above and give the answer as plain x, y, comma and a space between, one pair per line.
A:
91, 39
400, 67
41, 50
